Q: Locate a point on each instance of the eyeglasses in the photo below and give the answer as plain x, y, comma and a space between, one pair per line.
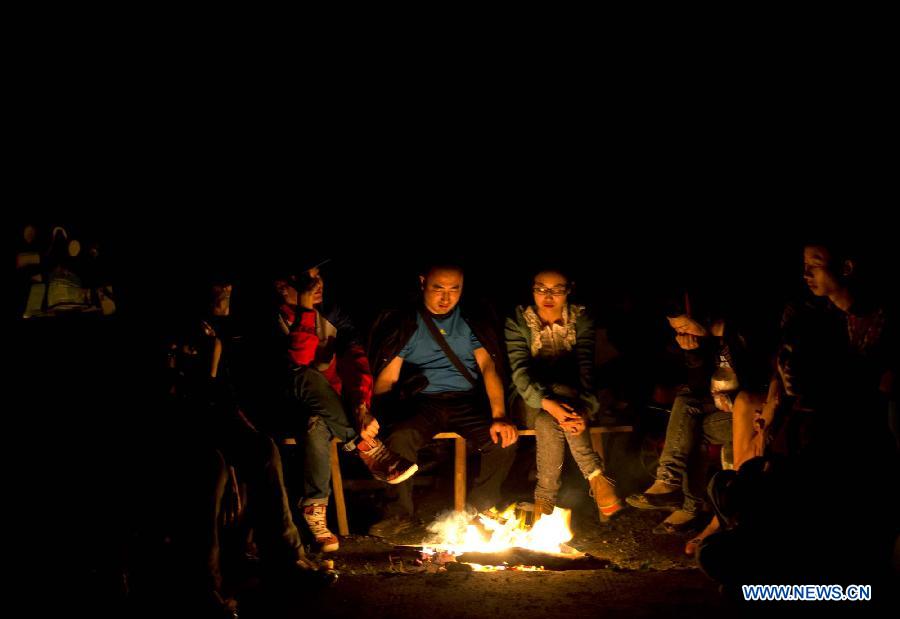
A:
557, 291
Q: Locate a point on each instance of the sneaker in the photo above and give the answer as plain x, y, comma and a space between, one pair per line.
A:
383, 463
315, 518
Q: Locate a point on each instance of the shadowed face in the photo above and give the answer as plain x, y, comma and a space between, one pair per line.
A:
818, 271
317, 285
286, 291
441, 290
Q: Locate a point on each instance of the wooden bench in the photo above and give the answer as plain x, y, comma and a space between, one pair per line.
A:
459, 467
460, 479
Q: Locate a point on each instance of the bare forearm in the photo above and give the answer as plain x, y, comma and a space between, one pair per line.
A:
494, 387
382, 386
388, 376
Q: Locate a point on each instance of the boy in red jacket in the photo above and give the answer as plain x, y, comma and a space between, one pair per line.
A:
330, 371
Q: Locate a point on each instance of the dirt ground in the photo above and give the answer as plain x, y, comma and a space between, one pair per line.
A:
377, 584
648, 576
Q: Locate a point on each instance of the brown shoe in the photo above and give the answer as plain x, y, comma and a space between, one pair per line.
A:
383, 463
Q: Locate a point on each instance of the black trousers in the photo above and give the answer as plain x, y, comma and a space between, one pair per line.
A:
462, 412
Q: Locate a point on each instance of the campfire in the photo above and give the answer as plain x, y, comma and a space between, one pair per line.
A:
493, 540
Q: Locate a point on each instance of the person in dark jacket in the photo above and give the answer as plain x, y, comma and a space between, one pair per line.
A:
813, 508
721, 363
226, 447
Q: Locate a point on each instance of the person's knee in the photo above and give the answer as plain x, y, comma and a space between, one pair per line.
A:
404, 441
308, 380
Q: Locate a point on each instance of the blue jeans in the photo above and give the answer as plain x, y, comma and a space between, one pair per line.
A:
326, 418
692, 420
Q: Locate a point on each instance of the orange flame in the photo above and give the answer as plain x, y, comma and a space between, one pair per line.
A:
495, 531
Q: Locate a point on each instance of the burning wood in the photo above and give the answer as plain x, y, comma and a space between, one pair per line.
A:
510, 558
502, 541
536, 558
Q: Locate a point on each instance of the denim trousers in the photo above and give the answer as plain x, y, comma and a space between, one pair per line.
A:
693, 420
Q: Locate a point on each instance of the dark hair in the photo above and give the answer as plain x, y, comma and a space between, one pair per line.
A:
839, 250
703, 305
449, 265
554, 268
220, 277
559, 270
674, 303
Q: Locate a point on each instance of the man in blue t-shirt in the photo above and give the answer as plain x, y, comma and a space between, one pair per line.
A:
451, 401
427, 355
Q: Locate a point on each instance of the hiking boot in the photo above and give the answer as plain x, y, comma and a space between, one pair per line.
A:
542, 507
604, 492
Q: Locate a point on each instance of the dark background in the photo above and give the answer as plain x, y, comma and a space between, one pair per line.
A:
707, 173
637, 200
623, 258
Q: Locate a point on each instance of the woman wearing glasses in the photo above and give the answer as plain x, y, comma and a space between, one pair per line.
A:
551, 354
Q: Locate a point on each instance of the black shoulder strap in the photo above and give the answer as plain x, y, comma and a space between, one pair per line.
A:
442, 342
